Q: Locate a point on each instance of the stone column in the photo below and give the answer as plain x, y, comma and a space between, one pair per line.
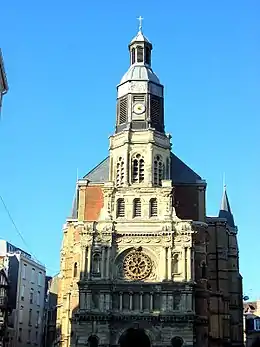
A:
108, 263
120, 301
164, 302
188, 263
165, 262
103, 265
141, 301
130, 301
189, 302
170, 302
89, 297
151, 301
89, 262
169, 264
81, 300
83, 262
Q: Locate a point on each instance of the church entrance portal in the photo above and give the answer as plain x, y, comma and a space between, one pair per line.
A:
134, 338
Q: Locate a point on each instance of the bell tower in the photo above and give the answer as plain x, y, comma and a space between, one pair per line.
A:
140, 149
139, 93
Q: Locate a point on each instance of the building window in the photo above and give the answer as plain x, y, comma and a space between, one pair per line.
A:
31, 296
22, 292
140, 54
21, 314
133, 55
175, 264
153, 207
36, 337
29, 336
30, 317
38, 298
156, 112
37, 323
120, 207
39, 278
33, 275
158, 170
256, 324
120, 173
137, 169
137, 208
123, 105
20, 335
24, 268
75, 270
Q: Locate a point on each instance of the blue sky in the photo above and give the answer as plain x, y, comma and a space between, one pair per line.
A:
63, 61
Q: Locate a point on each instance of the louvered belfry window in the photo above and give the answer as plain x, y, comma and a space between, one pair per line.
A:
137, 208
120, 171
138, 98
156, 112
140, 54
153, 207
158, 170
123, 104
137, 169
133, 56
120, 207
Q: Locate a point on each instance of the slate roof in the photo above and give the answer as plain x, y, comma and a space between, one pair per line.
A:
180, 172
225, 209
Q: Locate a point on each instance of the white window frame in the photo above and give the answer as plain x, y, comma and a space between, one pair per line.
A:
33, 275
257, 324
24, 270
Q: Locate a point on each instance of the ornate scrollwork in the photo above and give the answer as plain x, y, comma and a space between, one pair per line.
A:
137, 265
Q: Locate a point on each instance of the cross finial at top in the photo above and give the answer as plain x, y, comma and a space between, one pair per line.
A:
140, 18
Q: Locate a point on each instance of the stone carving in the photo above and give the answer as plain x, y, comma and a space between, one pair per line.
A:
137, 265
138, 87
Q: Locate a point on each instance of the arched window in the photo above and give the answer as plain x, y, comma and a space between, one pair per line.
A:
75, 270
175, 264
140, 54
137, 169
120, 212
92, 341
153, 207
120, 171
133, 56
147, 56
177, 341
137, 208
203, 270
96, 263
158, 170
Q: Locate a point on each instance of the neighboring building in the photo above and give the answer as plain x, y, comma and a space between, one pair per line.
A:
26, 296
50, 314
141, 263
252, 323
4, 309
3, 80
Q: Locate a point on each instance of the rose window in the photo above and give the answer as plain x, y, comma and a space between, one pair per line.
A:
137, 265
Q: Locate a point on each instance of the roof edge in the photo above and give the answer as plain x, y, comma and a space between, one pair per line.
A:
3, 73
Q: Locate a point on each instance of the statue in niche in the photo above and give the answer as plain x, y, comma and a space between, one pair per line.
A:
96, 266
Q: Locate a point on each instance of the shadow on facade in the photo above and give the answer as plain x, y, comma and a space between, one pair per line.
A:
124, 311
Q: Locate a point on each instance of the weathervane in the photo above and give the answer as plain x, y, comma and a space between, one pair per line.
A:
140, 18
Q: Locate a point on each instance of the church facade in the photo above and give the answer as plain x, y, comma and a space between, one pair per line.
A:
141, 263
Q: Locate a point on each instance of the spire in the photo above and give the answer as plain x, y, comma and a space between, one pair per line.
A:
74, 208
225, 210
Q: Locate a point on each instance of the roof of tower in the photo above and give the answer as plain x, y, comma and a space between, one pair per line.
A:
3, 74
140, 38
139, 71
225, 210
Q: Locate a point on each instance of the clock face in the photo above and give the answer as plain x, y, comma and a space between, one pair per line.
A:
139, 108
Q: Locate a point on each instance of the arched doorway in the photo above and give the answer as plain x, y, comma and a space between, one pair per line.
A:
177, 341
92, 341
134, 338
